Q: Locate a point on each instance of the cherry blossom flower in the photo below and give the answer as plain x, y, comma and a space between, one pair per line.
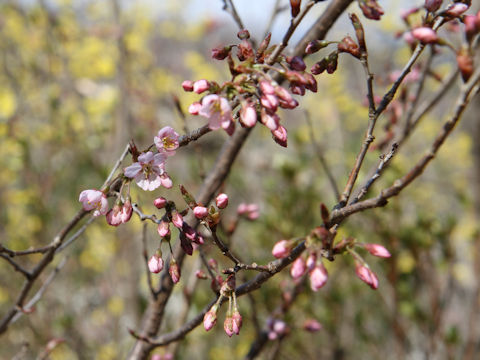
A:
149, 171
210, 318
94, 199
187, 85
194, 108
155, 264
217, 110
166, 141
318, 277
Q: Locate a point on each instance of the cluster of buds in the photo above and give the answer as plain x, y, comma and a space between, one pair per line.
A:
249, 211
188, 235
254, 95
97, 200
233, 319
156, 264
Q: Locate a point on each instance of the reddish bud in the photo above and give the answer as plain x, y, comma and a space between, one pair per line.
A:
433, 5
349, 46
272, 121
187, 85
163, 228
280, 136
298, 268
295, 7
318, 277
194, 108
296, 63
222, 201
371, 9
465, 64
221, 53
248, 115
155, 264
174, 271
314, 46
456, 9
228, 325
114, 215
377, 250
200, 274
200, 86
243, 34
200, 212
244, 51
177, 219
319, 67
127, 211
160, 202
282, 248
312, 325
425, 35
366, 275
210, 318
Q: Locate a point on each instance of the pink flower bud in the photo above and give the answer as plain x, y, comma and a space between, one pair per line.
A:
248, 115
221, 53
456, 9
377, 250
371, 9
253, 215
187, 85
228, 325
210, 318
318, 277
314, 46
94, 200
155, 264
281, 249
298, 268
242, 209
163, 228
200, 86
311, 261
174, 271
194, 108
433, 5
266, 87
312, 325
279, 326
200, 212
177, 219
269, 102
114, 216
222, 201
237, 321
472, 26
425, 34
160, 202
280, 136
366, 275
271, 121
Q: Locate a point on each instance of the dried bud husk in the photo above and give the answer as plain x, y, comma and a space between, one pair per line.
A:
262, 47
243, 34
295, 7
189, 199
465, 63
348, 45
371, 9
359, 32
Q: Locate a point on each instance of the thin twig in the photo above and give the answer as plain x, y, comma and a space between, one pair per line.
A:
229, 7
16, 266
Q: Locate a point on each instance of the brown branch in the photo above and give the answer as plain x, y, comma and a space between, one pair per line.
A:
16, 266
229, 7
468, 91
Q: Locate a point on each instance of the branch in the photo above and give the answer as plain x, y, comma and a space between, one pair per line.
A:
229, 7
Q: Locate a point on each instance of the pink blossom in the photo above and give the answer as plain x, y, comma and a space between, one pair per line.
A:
217, 110
114, 215
281, 249
318, 277
160, 202
298, 268
456, 9
248, 115
155, 264
210, 318
266, 87
187, 85
200, 212
221, 200
174, 271
194, 108
200, 274
149, 171
312, 325
279, 326
280, 136
94, 199
408, 37
377, 250
163, 228
242, 209
166, 141
425, 34
127, 211
200, 86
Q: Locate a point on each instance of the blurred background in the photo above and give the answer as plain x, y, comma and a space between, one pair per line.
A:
78, 79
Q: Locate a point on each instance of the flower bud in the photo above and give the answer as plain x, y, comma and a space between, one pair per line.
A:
237, 321
228, 325
433, 5
155, 264
295, 7
210, 318
177, 219
200, 212
280, 136
187, 85
127, 211
348, 45
465, 64
269, 102
114, 215
366, 275
318, 277
174, 271
270, 120
296, 63
160, 202
371, 9
282, 248
266, 87
314, 46
200, 86
200, 274
194, 108
298, 268
319, 67
243, 34
456, 9
221, 200
377, 250
312, 325
472, 26
248, 115
221, 53
425, 35
163, 228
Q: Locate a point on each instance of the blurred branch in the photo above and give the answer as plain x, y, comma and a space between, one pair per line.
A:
145, 257
229, 7
16, 266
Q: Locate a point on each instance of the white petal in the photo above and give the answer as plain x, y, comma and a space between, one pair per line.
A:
132, 170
